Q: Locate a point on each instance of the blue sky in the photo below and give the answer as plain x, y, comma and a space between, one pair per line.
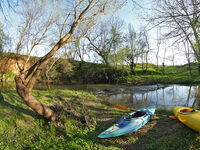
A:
132, 15
128, 13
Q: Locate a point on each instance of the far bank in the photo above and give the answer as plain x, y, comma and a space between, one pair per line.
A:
65, 71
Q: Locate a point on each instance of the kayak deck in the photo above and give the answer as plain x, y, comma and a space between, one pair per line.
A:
127, 125
189, 117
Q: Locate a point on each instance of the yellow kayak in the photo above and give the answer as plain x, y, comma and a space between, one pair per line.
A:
190, 117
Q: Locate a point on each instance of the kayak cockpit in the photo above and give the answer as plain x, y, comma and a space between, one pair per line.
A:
186, 110
135, 114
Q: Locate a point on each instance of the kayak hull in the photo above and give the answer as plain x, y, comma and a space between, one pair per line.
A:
126, 126
189, 117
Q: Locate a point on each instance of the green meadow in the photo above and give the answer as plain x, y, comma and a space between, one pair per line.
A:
21, 128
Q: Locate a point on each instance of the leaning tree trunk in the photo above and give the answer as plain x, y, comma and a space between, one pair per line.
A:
26, 80
26, 94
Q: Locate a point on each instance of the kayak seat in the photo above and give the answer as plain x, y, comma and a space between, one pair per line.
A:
139, 114
187, 110
135, 114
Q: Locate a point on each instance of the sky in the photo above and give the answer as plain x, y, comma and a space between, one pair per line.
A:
131, 15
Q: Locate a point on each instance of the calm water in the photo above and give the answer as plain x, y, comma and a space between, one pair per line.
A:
164, 97
140, 96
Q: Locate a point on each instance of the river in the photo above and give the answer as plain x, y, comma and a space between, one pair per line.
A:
164, 96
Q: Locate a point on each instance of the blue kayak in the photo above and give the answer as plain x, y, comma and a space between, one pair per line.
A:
129, 123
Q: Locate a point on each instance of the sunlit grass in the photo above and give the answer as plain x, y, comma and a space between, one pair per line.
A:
21, 128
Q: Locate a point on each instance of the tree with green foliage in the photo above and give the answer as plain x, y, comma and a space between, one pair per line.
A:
134, 48
130, 51
105, 39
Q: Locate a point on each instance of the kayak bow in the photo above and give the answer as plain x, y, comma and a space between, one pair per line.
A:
188, 116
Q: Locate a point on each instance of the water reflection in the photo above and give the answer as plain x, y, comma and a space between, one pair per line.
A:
135, 96
164, 98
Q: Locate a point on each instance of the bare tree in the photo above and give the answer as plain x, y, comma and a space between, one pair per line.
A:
141, 44
7, 5
188, 55
180, 18
148, 47
75, 15
164, 57
158, 40
173, 57
48, 67
80, 47
4, 39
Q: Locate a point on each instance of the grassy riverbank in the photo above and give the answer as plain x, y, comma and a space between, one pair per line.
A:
21, 128
75, 72
171, 75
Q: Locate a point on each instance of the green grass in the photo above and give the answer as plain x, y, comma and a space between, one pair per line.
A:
170, 141
171, 75
21, 128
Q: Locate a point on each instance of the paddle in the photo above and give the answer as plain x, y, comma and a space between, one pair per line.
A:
173, 117
121, 107
124, 108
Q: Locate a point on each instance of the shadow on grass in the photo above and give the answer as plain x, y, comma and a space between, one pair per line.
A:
105, 119
162, 133
159, 133
92, 136
15, 106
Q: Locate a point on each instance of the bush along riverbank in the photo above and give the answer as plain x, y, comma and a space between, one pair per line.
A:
92, 73
82, 117
78, 72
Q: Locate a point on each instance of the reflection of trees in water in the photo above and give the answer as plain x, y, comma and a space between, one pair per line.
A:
169, 96
156, 97
164, 97
197, 98
121, 98
188, 98
173, 94
163, 90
